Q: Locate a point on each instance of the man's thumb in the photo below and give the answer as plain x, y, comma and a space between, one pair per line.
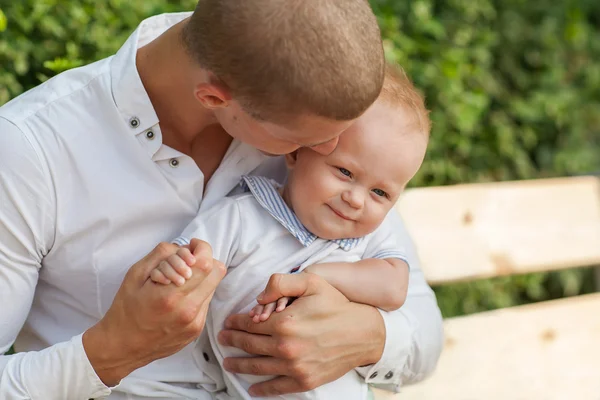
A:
289, 285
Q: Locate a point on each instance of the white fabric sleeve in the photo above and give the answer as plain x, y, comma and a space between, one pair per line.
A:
220, 226
414, 333
385, 243
27, 220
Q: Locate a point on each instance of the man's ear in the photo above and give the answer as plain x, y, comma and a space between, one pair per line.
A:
290, 159
213, 94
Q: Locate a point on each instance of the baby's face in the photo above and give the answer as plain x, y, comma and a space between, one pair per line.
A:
349, 192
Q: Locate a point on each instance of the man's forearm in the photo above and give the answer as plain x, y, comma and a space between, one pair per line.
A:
414, 339
370, 333
105, 358
60, 372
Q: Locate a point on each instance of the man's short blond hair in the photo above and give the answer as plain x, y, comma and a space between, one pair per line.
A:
398, 90
282, 58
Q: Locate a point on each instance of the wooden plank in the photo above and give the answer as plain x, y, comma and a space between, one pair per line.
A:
548, 351
474, 231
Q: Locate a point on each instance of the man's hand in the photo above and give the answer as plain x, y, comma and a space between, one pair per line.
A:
317, 339
148, 321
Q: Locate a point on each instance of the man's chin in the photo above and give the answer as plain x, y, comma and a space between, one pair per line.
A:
266, 153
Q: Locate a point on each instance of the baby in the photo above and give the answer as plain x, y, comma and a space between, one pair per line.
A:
328, 219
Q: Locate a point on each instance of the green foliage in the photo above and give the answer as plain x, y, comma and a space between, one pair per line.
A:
489, 294
513, 85
43, 38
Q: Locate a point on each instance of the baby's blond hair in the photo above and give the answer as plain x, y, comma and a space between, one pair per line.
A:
398, 90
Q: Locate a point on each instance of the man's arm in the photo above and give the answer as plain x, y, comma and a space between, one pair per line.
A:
144, 322
380, 283
414, 336
26, 232
147, 321
320, 337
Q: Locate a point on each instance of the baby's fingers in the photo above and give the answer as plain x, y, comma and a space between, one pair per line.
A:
186, 255
180, 266
170, 273
282, 303
256, 312
159, 277
268, 310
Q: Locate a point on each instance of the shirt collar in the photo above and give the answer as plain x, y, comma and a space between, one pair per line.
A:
266, 193
128, 91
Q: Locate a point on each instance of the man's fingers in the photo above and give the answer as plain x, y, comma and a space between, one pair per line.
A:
204, 283
201, 250
277, 386
243, 322
289, 285
260, 345
254, 365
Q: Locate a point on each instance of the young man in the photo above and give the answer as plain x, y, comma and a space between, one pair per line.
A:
101, 162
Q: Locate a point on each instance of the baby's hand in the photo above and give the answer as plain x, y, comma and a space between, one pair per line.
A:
262, 312
174, 269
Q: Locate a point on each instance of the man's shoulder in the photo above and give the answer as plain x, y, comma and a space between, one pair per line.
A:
55, 92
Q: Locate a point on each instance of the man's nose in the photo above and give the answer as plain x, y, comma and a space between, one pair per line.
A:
327, 147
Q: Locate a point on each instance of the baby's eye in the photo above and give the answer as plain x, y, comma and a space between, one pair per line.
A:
380, 192
345, 171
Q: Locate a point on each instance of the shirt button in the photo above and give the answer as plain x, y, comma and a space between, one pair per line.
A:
173, 162
389, 375
150, 135
373, 375
134, 122
205, 357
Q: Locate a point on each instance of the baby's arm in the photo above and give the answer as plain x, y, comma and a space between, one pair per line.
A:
382, 283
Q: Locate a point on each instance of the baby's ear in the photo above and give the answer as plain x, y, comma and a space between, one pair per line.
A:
290, 159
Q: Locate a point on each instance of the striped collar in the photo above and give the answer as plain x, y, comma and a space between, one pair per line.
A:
266, 193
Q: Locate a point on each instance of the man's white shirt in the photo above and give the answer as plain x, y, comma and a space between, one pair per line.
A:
86, 190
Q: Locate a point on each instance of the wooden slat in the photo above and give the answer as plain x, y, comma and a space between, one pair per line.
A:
481, 230
548, 351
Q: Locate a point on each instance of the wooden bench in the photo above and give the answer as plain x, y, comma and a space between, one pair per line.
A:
548, 350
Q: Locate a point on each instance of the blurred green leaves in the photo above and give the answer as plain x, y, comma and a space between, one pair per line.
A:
489, 294
2, 21
513, 87
43, 38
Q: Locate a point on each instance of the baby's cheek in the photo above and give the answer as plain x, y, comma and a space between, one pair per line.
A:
372, 223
